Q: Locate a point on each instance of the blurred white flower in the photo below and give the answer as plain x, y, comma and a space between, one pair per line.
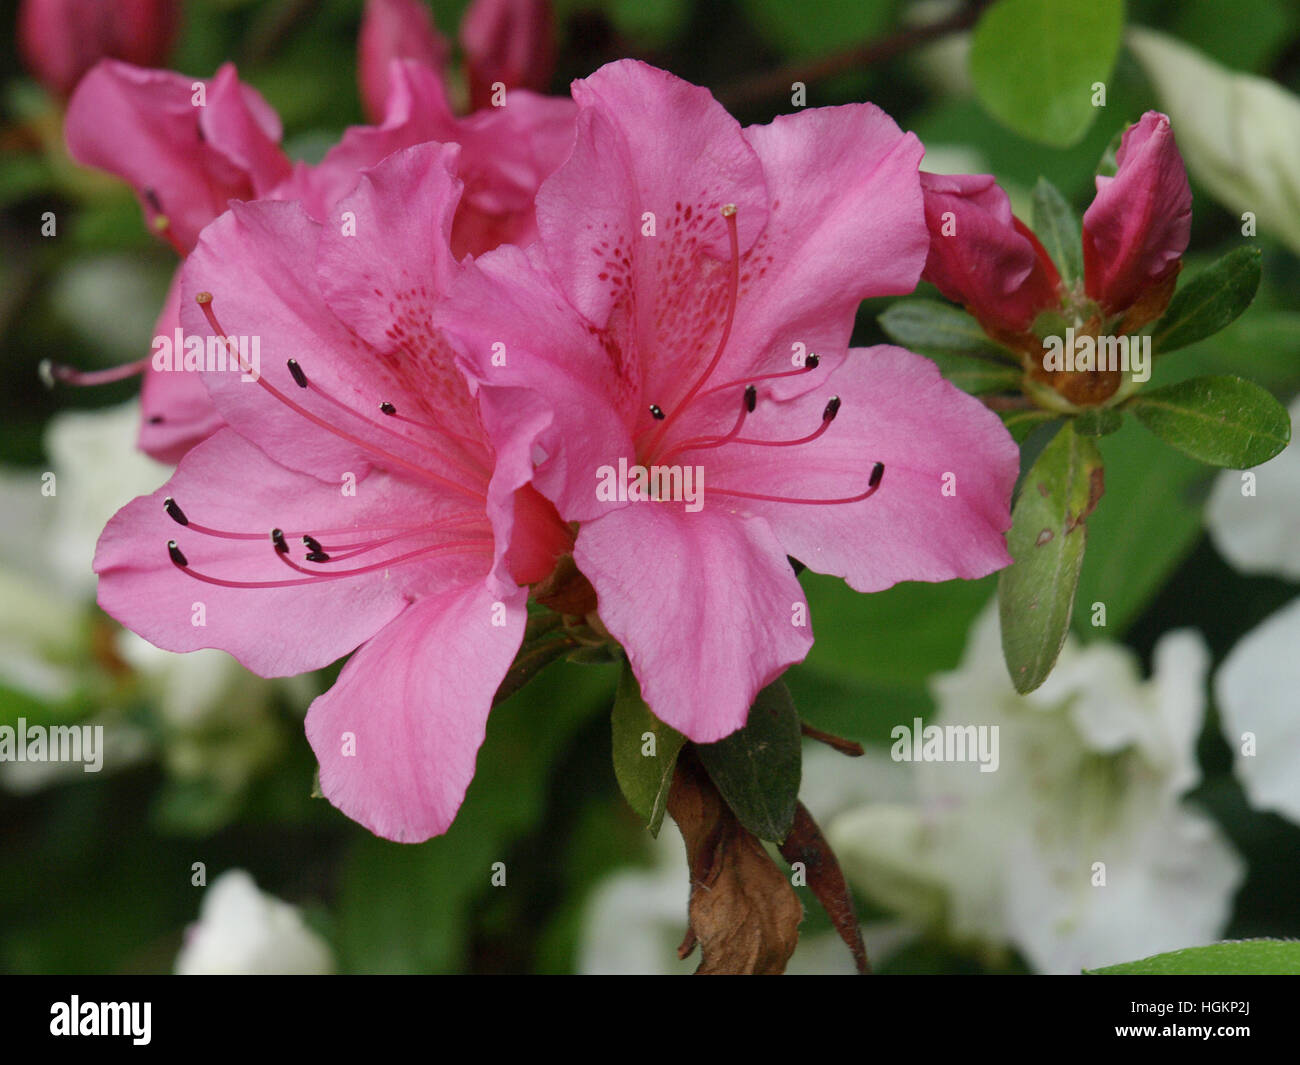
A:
243, 930
98, 471
1257, 687
1092, 767
57, 648
1239, 134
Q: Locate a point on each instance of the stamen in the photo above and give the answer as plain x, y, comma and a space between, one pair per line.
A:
313, 545
52, 373
751, 398
811, 362
174, 512
873, 483
832, 409
299, 378
466, 547
656, 412
204, 300
277, 538
387, 408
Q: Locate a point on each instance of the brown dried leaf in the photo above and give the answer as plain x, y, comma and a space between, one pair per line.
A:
743, 912
806, 844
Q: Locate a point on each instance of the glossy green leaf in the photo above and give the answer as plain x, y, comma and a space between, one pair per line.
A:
1036, 593
1057, 227
934, 328
645, 752
1225, 421
1035, 62
1259, 957
1210, 301
757, 769
1099, 421
976, 376
1150, 521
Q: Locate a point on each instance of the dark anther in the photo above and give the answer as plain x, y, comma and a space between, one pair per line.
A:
877, 472
751, 398
178, 556
174, 512
318, 556
151, 198
656, 413
299, 378
812, 361
387, 408
155, 419
832, 408
277, 538
313, 545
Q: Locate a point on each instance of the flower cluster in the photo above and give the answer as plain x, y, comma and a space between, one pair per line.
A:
590, 354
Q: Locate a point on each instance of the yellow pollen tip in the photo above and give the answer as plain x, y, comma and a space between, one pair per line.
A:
161, 222
203, 297
729, 210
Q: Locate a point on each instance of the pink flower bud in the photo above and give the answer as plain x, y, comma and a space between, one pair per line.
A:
395, 29
61, 39
982, 256
1137, 228
510, 42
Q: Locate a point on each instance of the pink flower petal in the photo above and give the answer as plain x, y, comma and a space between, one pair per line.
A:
226, 483
1138, 226
184, 161
921, 524
176, 410
413, 706
395, 29
705, 604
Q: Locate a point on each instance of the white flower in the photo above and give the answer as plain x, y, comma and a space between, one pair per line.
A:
98, 471
1254, 516
1239, 134
1077, 850
241, 929
1257, 687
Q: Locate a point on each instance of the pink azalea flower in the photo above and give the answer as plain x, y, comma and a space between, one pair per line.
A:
188, 162
62, 39
507, 42
684, 266
506, 154
395, 29
360, 445
982, 256
1139, 223
186, 156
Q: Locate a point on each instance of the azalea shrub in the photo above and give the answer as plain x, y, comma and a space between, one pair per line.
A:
578, 487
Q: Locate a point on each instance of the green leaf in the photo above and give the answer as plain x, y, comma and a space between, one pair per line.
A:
1020, 423
934, 328
1259, 957
757, 769
1034, 63
644, 777
1150, 522
1036, 593
976, 376
1210, 301
1224, 421
1056, 225
1099, 421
